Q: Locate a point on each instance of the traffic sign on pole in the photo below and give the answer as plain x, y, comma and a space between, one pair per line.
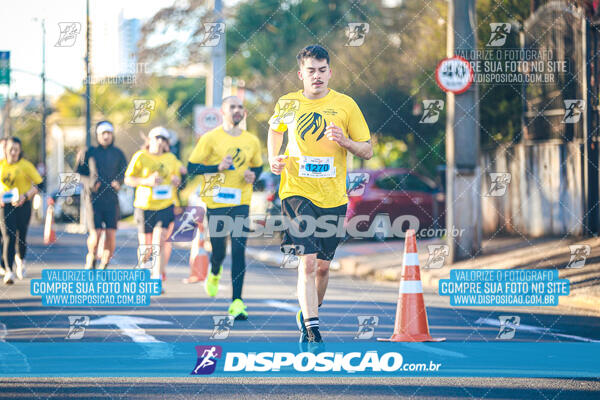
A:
454, 74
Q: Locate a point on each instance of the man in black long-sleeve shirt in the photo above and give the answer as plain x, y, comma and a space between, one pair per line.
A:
234, 154
104, 166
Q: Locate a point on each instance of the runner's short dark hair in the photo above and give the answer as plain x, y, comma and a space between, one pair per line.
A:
312, 51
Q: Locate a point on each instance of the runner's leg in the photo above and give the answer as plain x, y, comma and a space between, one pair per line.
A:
322, 279
110, 242
23, 217
169, 245
307, 289
217, 242
8, 225
238, 254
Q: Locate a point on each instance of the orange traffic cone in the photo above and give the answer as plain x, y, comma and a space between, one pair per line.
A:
198, 258
49, 232
411, 316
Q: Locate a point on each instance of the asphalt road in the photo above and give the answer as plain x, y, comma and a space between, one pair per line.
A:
185, 314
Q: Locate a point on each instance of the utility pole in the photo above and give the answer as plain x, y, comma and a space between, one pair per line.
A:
88, 138
463, 173
214, 81
44, 111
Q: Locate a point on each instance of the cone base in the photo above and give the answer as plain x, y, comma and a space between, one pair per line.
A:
398, 337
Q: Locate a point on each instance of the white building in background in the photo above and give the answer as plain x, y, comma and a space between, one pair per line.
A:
114, 42
129, 35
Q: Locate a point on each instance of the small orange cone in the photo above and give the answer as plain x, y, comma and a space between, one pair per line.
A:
198, 258
411, 316
49, 232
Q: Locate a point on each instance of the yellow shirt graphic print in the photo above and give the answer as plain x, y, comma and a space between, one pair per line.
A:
316, 167
227, 188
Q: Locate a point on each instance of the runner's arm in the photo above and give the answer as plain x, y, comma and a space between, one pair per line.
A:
276, 161
257, 171
199, 169
363, 150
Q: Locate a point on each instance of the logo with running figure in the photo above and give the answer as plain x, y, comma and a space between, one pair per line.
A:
431, 111
499, 182
223, 325
142, 109
366, 326
312, 123
68, 183
356, 32
579, 253
508, 326
77, 325
573, 111
207, 359
285, 113
437, 255
186, 223
68, 33
499, 33
213, 32
212, 184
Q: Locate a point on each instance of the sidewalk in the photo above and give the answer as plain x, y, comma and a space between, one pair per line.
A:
383, 262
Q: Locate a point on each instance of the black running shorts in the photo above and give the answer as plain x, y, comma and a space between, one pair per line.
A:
297, 206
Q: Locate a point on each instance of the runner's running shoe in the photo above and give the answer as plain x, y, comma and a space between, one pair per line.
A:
238, 310
314, 336
301, 327
211, 284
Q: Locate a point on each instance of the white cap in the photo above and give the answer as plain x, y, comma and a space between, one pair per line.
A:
160, 131
173, 139
104, 126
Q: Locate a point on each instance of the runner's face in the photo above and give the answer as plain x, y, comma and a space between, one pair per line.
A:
12, 152
157, 145
315, 75
233, 111
105, 138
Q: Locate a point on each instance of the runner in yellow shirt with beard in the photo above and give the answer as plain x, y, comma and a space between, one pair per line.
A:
156, 174
230, 159
323, 126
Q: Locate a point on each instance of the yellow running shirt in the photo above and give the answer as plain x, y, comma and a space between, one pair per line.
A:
316, 167
227, 188
20, 175
142, 165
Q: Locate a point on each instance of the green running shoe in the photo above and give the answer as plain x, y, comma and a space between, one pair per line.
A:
211, 284
238, 310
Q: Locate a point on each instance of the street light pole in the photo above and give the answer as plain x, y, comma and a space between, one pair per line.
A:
88, 139
44, 111
214, 82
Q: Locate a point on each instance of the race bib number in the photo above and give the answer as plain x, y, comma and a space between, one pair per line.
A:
228, 196
162, 192
316, 167
10, 196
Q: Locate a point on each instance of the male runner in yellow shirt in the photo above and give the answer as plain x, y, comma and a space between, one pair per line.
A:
322, 125
234, 154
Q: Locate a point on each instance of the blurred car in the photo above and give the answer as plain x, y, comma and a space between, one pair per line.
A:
265, 199
394, 192
67, 208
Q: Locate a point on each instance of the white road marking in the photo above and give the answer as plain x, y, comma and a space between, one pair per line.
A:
129, 326
536, 329
283, 306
